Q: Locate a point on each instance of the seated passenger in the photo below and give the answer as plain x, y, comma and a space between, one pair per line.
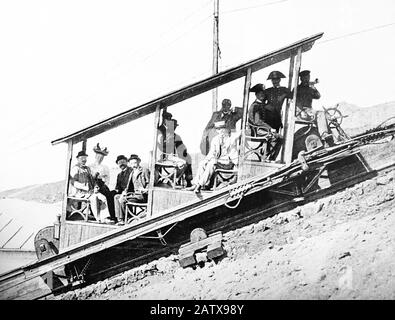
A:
101, 174
137, 185
257, 107
228, 114
84, 186
173, 149
263, 114
121, 186
223, 154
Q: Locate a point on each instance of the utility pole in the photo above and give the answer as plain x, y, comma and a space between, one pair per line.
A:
215, 51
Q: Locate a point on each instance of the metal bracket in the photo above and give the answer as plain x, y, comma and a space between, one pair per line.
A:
314, 180
79, 277
160, 237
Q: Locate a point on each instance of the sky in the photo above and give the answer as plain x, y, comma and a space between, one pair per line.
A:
65, 65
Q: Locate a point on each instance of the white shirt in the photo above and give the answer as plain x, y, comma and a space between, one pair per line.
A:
224, 149
102, 169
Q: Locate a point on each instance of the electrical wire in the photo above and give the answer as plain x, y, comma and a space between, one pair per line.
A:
357, 32
253, 7
115, 67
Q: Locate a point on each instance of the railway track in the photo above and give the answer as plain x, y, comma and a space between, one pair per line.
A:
240, 220
16, 280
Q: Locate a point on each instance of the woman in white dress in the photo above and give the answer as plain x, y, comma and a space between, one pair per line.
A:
101, 175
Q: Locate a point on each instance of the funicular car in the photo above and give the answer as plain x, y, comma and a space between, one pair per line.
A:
310, 159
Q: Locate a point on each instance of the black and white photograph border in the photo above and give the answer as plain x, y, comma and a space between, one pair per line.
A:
207, 150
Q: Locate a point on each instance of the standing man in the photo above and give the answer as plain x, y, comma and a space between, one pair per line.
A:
227, 114
305, 94
84, 186
101, 174
138, 182
121, 186
223, 154
276, 96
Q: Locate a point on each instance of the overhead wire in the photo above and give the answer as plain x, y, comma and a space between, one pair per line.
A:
143, 60
253, 7
229, 11
357, 32
115, 67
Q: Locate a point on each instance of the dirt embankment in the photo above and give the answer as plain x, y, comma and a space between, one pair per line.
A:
339, 247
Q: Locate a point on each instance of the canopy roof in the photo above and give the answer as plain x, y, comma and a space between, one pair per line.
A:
191, 90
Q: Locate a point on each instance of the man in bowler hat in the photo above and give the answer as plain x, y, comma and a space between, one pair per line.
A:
83, 186
121, 186
136, 189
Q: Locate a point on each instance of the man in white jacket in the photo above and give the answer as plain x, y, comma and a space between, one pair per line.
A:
223, 154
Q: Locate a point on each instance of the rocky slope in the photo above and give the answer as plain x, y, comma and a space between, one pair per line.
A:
339, 247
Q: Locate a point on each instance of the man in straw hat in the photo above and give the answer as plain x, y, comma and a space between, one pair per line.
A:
223, 154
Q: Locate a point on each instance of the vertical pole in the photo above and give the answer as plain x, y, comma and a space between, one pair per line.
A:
215, 51
84, 145
153, 161
67, 178
246, 93
290, 124
285, 115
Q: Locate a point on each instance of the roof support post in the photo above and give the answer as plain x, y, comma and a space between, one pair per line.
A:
153, 161
246, 93
285, 113
289, 128
84, 145
67, 178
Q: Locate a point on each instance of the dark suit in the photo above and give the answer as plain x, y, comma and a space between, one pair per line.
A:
122, 180
122, 184
139, 180
261, 113
305, 96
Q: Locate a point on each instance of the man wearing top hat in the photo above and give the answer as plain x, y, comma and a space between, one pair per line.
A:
84, 186
136, 189
223, 154
173, 149
121, 186
228, 114
101, 174
306, 93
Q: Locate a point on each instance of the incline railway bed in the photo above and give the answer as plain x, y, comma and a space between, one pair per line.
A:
238, 220
304, 253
